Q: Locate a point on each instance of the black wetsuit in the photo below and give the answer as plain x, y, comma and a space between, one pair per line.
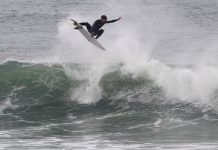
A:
95, 29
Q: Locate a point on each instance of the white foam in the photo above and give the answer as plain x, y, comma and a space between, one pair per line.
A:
198, 84
5, 104
130, 42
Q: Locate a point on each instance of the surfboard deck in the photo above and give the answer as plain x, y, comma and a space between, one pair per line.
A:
87, 35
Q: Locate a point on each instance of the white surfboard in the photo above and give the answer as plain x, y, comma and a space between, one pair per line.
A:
87, 35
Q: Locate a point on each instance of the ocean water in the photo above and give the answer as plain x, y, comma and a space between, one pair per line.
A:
154, 88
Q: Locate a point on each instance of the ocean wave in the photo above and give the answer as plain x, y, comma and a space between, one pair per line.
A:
29, 83
36, 89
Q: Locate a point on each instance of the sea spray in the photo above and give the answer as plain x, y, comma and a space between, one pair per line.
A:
134, 40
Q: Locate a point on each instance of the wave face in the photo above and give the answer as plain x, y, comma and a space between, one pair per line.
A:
36, 94
29, 92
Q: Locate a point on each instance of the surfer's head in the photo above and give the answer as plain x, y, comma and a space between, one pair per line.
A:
103, 18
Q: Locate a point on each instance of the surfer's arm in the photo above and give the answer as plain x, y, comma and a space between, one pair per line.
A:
112, 21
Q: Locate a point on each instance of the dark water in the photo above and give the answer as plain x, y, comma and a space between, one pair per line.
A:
154, 88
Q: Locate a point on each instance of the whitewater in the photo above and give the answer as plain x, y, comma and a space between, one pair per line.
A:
155, 87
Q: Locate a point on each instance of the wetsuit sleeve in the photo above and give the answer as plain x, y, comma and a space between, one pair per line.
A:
112, 21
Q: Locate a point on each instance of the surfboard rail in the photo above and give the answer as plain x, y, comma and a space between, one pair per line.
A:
87, 35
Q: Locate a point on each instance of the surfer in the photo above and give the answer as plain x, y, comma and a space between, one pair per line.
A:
95, 29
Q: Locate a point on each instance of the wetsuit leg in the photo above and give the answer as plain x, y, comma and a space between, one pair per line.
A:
88, 26
99, 33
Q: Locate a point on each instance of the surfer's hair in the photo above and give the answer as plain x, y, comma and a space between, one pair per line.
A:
103, 17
